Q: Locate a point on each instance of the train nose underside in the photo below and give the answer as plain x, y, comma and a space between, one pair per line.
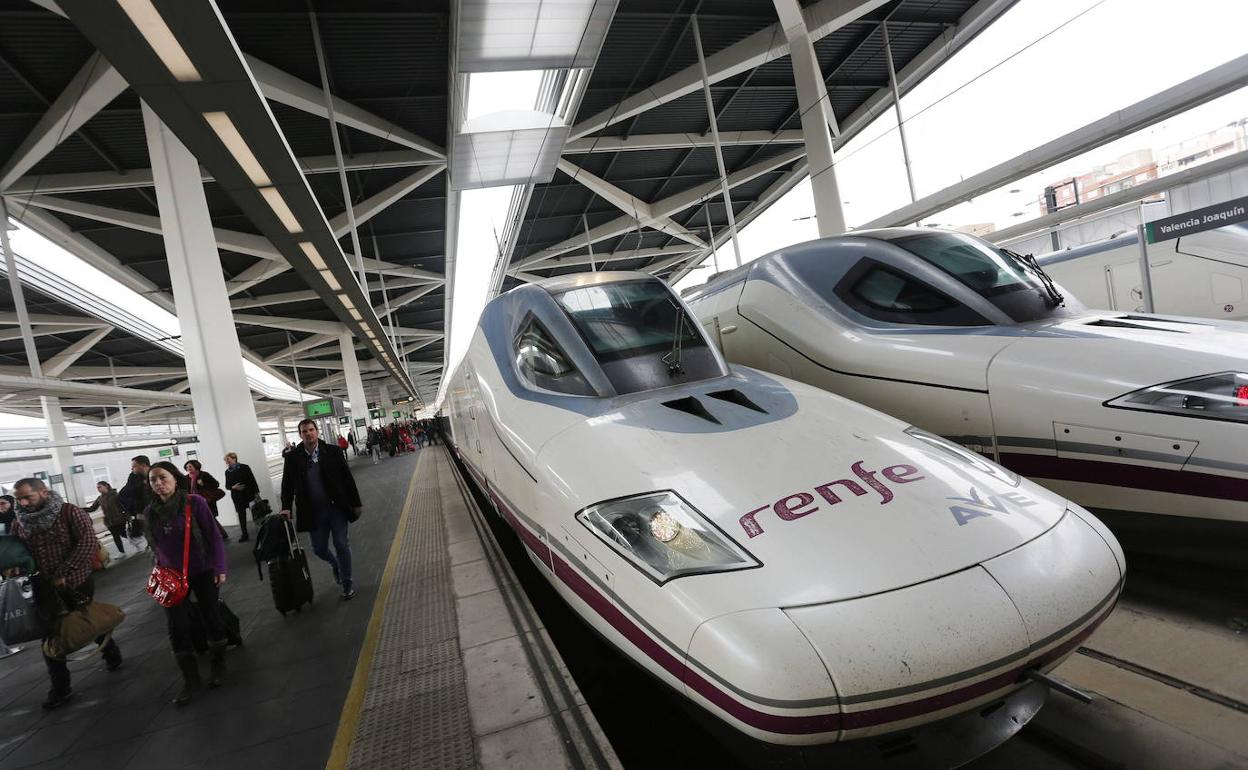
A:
934, 673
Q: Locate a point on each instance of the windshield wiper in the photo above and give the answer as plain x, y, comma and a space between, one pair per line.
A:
1054, 296
672, 359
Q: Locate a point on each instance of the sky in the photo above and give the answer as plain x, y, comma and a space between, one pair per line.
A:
1041, 70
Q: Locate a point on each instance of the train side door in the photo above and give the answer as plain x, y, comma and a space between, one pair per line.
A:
1123, 282
473, 415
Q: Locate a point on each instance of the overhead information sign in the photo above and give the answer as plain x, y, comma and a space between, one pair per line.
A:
322, 407
1208, 218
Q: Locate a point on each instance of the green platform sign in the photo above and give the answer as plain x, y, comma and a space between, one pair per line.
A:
322, 407
166, 452
376, 413
397, 414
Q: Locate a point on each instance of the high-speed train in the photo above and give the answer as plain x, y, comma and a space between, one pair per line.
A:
804, 569
1134, 415
1205, 274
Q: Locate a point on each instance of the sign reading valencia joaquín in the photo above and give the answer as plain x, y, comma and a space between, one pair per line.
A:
1208, 218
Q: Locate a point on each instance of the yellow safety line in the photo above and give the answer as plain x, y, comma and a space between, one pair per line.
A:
354, 703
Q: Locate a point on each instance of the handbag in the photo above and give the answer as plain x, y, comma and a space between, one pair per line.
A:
212, 495
166, 585
20, 620
80, 626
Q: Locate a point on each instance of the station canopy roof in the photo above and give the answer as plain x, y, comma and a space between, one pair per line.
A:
636, 169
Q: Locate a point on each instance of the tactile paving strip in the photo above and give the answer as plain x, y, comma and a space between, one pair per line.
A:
415, 712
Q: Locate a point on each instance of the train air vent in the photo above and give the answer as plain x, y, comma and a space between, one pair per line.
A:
691, 405
1158, 319
735, 396
1128, 325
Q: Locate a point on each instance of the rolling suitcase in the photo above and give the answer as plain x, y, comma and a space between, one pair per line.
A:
290, 580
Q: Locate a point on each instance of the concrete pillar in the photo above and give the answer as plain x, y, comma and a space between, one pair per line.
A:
224, 412
281, 430
816, 114
355, 385
62, 456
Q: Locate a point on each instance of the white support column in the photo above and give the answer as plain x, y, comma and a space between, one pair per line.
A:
281, 430
62, 453
224, 411
387, 406
719, 152
355, 385
812, 102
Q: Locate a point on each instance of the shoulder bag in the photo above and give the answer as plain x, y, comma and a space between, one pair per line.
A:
166, 585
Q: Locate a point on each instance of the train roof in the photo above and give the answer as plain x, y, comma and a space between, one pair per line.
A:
581, 280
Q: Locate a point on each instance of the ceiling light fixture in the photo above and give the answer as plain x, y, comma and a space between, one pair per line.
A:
331, 280
313, 255
355, 314
278, 204
228, 133
346, 301
156, 32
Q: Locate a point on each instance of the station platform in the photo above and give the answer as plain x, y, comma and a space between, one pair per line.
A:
438, 662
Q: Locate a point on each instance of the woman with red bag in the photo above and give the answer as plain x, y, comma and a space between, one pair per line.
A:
197, 556
205, 485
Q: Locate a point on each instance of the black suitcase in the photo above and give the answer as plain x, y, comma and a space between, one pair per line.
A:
199, 633
290, 580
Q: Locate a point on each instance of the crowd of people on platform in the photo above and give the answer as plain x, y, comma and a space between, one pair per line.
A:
173, 513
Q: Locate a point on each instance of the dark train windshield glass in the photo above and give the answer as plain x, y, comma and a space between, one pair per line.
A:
621, 320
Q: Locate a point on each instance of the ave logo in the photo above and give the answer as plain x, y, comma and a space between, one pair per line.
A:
976, 506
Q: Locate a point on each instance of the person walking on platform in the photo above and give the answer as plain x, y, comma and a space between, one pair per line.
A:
343, 444
318, 486
243, 489
7, 514
60, 537
205, 485
114, 516
135, 494
205, 568
351, 440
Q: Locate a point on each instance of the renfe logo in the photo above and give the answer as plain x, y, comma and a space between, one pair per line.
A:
799, 504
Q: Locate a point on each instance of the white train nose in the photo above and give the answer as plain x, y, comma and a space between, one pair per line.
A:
909, 656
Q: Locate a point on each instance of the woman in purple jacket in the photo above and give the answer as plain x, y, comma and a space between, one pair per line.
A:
205, 569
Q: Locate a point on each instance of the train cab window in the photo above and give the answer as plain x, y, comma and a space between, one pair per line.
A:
640, 334
886, 294
540, 358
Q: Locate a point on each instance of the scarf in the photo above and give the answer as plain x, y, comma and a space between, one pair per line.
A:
161, 514
41, 519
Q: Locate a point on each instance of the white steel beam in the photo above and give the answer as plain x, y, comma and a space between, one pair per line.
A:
89, 181
292, 324
256, 274
641, 211
58, 363
641, 142
285, 356
9, 317
763, 46
374, 205
44, 331
287, 89
1216, 82
95, 85
602, 259
52, 386
719, 151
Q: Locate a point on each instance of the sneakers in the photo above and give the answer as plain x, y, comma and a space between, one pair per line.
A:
348, 591
57, 698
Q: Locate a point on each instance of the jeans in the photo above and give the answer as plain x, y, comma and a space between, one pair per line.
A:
178, 618
333, 523
119, 533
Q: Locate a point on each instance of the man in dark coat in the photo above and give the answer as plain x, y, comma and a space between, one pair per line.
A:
135, 494
243, 489
317, 485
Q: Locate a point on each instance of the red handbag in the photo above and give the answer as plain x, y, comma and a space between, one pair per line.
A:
166, 585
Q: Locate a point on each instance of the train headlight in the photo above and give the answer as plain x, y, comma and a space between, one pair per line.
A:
664, 537
1221, 396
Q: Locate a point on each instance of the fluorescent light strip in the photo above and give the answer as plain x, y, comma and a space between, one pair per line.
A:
278, 204
313, 255
228, 133
156, 32
331, 280
355, 314
346, 301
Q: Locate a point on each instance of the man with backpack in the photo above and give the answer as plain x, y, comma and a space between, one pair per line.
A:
318, 486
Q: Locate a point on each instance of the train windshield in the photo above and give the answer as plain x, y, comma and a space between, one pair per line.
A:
1006, 281
640, 334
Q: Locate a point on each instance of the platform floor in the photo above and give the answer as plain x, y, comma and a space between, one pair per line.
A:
424, 668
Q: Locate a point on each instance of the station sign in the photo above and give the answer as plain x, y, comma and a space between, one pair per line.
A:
57, 478
41, 475
191, 454
376, 414
344, 420
397, 414
360, 422
77, 468
166, 452
1197, 221
321, 407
